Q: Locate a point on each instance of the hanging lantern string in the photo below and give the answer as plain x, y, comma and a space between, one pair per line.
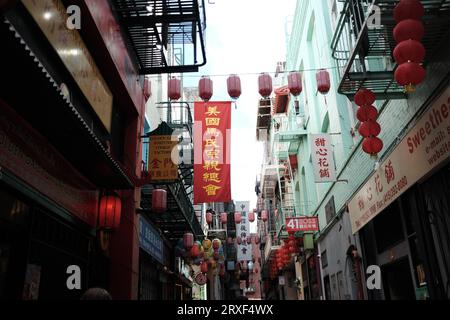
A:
187, 75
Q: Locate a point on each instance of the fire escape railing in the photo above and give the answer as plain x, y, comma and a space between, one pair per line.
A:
363, 44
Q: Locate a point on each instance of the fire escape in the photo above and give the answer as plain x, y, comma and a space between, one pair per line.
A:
180, 216
166, 36
363, 46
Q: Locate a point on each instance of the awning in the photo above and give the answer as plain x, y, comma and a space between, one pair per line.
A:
282, 99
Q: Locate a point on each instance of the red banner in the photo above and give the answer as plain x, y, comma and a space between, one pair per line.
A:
302, 224
212, 136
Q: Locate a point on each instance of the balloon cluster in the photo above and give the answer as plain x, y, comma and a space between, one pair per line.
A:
207, 254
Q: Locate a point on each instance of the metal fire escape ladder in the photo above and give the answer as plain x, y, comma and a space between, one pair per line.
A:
285, 182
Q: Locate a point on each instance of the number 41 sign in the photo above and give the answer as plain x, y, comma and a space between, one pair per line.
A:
302, 224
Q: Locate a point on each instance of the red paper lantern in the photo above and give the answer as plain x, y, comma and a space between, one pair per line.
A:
205, 88
264, 215
323, 81
372, 145
234, 86
265, 85
364, 97
409, 74
209, 217
249, 240
238, 240
365, 113
295, 83
188, 240
204, 267
195, 251
251, 216
408, 9
110, 211
409, 29
159, 200
223, 217
369, 128
147, 89
174, 89
237, 217
409, 51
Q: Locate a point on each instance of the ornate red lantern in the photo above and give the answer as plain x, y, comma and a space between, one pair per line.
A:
237, 217
264, 215
323, 81
365, 113
234, 86
409, 51
409, 29
369, 128
204, 267
159, 200
205, 88
188, 240
147, 89
265, 85
410, 74
295, 83
408, 9
251, 216
174, 89
209, 217
364, 97
372, 145
110, 211
223, 217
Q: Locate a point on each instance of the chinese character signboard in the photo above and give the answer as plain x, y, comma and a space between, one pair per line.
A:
425, 146
322, 158
244, 250
150, 240
302, 224
160, 164
212, 152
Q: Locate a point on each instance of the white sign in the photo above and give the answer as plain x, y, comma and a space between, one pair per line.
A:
244, 250
425, 146
322, 158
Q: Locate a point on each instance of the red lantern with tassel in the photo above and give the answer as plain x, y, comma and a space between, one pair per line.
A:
251, 216
295, 83
372, 145
408, 9
369, 128
367, 113
323, 81
223, 217
209, 217
265, 85
237, 217
409, 29
110, 211
205, 88
234, 86
410, 74
409, 51
364, 97
264, 215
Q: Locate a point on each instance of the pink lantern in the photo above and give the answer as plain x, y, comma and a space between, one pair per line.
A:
264, 215
238, 240
295, 83
209, 218
159, 200
237, 217
323, 81
265, 85
251, 216
223, 217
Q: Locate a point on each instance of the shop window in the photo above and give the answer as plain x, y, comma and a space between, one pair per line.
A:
324, 259
388, 227
11, 209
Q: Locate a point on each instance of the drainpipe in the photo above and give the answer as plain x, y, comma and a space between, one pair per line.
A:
324, 296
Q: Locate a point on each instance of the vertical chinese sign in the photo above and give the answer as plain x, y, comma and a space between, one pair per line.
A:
212, 152
322, 158
244, 249
160, 164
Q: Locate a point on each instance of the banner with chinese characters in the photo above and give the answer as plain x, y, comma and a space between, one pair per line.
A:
212, 152
244, 249
322, 158
160, 163
302, 224
426, 146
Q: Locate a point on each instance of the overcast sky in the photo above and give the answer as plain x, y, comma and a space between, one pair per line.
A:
242, 37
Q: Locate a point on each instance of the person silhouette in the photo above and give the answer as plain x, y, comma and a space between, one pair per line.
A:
96, 294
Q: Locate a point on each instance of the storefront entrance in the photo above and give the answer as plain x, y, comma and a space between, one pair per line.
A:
397, 281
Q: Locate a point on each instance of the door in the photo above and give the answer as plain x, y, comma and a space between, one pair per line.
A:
397, 281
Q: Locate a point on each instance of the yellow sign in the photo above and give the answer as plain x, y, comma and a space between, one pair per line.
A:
161, 167
51, 17
425, 147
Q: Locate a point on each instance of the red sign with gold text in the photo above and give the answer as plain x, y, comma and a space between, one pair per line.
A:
212, 132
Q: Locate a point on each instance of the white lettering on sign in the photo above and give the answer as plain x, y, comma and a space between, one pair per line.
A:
425, 146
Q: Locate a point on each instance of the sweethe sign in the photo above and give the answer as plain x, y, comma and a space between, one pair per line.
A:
425, 147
